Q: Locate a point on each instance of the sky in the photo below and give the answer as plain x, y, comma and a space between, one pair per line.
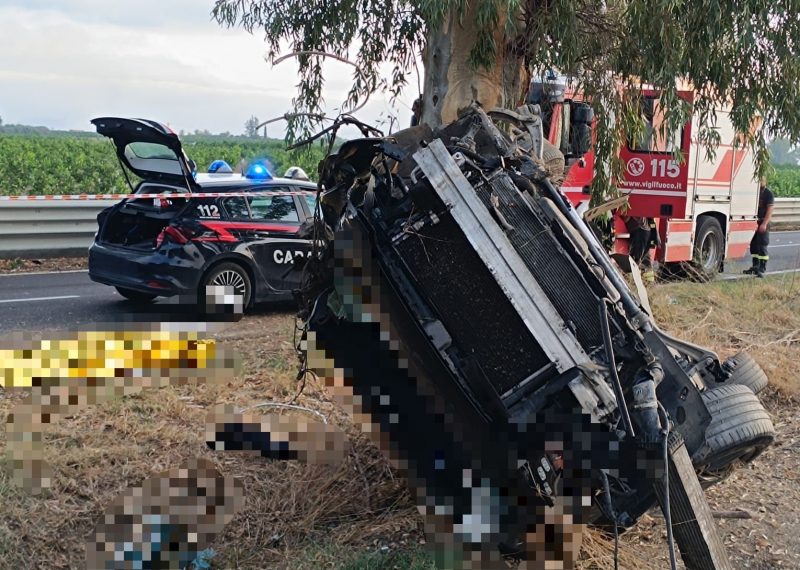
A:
64, 62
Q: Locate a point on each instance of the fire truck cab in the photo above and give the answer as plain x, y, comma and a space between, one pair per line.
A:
704, 209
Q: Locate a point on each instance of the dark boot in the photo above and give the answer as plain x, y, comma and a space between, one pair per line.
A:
762, 268
754, 269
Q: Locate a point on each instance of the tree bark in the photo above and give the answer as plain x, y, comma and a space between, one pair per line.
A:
452, 83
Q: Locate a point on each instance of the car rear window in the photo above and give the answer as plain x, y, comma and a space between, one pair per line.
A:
311, 200
148, 150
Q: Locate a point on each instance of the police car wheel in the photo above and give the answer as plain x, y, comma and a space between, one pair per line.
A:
739, 431
226, 288
135, 296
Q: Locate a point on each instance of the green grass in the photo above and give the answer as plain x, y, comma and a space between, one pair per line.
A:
785, 181
339, 558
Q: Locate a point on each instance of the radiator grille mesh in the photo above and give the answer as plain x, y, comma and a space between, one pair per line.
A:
471, 305
549, 263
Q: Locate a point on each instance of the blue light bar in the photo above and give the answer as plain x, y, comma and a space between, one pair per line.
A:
258, 171
219, 166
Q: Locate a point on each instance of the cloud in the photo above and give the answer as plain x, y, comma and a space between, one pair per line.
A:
60, 68
139, 14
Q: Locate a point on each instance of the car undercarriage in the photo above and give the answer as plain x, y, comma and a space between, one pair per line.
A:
466, 315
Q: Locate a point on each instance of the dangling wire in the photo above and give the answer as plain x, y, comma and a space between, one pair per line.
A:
319, 243
613, 514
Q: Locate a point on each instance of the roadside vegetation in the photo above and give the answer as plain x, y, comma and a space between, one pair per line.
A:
357, 515
37, 161
67, 163
784, 181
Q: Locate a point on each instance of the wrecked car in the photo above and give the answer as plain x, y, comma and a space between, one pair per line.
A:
459, 305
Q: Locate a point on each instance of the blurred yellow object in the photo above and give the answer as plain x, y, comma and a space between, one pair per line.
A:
104, 355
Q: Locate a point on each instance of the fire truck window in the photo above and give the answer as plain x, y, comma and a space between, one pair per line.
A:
565, 129
654, 139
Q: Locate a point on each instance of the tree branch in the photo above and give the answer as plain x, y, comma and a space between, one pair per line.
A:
313, 52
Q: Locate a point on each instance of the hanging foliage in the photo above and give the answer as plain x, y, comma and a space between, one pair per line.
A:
743, 55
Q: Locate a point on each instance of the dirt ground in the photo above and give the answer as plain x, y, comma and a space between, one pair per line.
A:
762, 318
18, 265
300, 516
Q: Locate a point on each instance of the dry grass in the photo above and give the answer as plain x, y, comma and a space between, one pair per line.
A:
290, 506
759, 316
300, 516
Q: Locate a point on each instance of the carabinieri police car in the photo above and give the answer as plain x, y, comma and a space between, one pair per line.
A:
232, 236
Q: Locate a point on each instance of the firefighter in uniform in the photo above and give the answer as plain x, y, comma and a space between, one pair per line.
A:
760, 241
643, 236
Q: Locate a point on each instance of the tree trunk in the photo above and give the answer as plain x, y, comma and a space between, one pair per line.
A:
452, 84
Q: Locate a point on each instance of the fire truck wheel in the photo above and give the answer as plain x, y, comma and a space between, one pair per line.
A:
744, 372
739, 431
709, 247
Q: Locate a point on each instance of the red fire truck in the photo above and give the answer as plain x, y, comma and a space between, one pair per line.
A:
705, 210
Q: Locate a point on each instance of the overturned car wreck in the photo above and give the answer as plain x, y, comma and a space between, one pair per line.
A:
459, 306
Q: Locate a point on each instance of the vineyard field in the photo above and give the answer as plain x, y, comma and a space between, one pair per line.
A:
785, 181
37, 164
84, 163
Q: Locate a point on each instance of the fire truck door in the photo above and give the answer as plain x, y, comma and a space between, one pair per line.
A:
657, 183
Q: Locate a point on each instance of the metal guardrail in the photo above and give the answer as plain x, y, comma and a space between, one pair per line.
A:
48, 229
54, 229
787, 211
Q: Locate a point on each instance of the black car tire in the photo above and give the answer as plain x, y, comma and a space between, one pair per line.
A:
135, 296
739, 431
745, 372
709, 248
227, 273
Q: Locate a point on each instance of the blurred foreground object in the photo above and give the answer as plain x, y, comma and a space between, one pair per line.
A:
166, 522
274, 436
68, 374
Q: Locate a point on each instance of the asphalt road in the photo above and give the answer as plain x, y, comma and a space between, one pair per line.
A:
58, 301
784, 255
69, 300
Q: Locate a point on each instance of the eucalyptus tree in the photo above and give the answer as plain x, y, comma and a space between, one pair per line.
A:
740, 53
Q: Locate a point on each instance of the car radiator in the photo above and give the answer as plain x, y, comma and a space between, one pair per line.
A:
547, 259
514, 299
467, 300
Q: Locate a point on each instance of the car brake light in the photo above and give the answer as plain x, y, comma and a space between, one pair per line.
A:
175, 234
